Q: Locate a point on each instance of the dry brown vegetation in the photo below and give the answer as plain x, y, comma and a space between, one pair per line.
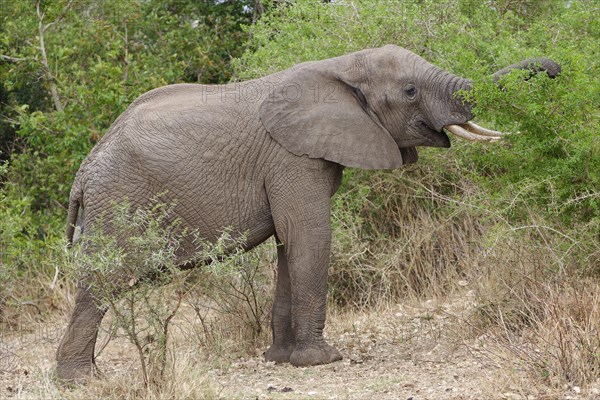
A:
536, 288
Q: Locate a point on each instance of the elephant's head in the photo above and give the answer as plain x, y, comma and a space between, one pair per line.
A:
370, 109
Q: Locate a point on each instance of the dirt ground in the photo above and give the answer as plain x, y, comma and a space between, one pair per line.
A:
402, 352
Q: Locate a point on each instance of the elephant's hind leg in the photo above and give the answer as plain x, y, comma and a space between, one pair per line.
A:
284, 340
75, 355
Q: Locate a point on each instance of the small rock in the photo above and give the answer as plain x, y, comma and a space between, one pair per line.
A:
577, 389
512, 396
355, 360
285, 389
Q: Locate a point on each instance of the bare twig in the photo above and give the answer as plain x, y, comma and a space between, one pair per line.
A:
12, 59
111, 334
162, 352
259, 9
581, 197
56, 272
61, 16
47, 71
27, 303
358, 18
125, 39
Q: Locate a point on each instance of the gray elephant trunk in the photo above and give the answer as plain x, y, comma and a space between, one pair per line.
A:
465, 85
533, 65
460, 110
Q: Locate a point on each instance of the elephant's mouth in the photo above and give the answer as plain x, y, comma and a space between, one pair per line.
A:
438, 139
473, 132
431, 137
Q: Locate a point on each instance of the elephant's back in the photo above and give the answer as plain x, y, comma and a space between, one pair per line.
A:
208, 156
192, 127
208, 113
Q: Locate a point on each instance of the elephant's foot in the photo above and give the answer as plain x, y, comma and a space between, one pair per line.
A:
71, 375
280, 353
314, 355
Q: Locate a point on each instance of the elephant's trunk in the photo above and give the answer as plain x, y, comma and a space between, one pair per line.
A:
473, 132
533, 65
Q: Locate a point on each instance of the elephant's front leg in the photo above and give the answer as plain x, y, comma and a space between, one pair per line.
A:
309, 260
301, 215
284, 341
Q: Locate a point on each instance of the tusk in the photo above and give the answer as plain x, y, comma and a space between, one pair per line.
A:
480, 130
465, 134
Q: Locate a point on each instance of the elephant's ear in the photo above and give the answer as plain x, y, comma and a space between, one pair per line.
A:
318, 110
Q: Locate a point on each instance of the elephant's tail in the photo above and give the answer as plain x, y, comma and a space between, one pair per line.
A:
75, 200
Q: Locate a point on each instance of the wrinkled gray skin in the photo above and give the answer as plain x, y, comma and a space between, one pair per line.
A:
264, 157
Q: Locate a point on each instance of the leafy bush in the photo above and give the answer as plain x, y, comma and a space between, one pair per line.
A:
232, 302
137, 266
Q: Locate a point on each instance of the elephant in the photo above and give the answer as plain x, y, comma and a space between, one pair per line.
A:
264, 157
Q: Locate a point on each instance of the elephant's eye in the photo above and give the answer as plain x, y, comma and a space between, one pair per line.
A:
411, 91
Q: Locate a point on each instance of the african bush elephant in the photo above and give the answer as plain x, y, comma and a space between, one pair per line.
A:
264, 157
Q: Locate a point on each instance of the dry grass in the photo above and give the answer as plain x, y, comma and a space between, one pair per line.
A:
408, 241
412, 348
187, 379
544, 322
535, 285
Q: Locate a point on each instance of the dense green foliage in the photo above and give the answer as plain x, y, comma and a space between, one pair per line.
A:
103, 55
